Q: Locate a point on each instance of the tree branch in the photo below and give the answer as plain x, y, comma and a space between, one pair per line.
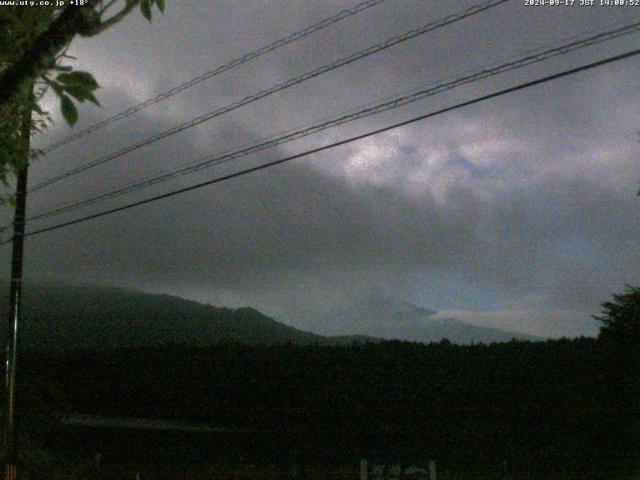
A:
104, 8
130, 5
34, 62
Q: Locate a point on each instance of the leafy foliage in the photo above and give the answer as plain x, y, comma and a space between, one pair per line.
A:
77, 84
19, 28
20, 31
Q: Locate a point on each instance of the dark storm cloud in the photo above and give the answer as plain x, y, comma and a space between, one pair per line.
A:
294, 218
531, 194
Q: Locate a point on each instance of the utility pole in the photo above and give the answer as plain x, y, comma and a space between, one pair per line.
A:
15, 302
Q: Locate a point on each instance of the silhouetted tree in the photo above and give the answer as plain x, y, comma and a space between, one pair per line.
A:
620, 371
621, 320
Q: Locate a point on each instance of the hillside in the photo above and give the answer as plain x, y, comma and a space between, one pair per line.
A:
58, 318
62, 318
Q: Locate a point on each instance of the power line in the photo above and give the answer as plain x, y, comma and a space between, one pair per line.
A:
173, 193
614, 30
279, 87
344, 14
289, 136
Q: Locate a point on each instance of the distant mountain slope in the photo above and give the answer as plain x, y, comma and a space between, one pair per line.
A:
388, 318
61, 318
99, 318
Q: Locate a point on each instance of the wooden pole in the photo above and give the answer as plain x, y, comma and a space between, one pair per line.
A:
15, 306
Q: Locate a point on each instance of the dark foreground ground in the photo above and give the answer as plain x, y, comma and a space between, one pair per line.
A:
565, 409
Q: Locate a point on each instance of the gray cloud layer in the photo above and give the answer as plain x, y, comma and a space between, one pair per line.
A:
526, 203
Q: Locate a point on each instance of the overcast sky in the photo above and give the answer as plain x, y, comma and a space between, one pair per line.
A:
519, 212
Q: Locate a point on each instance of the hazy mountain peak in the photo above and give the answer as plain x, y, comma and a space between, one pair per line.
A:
377, 314
390, 304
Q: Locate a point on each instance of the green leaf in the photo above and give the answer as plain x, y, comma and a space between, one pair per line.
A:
145, 8
80, 79
76, 92
63, 68
69, 110
81, 94
92, 98
56, 87
161, 5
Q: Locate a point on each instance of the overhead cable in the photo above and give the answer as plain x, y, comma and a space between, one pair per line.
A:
264, 166
277, 88
217, 71
538, 56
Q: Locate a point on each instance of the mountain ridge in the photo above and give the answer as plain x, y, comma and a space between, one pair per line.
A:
61, 318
